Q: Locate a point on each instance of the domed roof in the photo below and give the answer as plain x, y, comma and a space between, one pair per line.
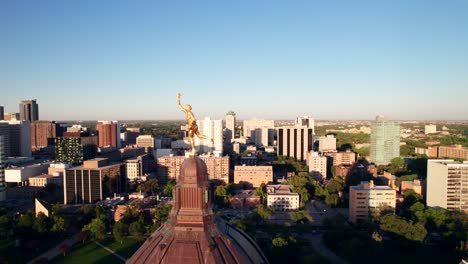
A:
191, 236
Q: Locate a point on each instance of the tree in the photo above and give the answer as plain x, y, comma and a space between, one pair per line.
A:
279, 242
149, 186
25, 221
301, 217
332, 200
60, 224
167, 191
137, 230
4, 226
161, 213
335, 185
262, 192
97, 228
264, 212
398, 162
120, 231
42, 223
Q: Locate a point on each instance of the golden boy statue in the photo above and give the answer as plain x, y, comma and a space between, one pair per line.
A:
191, 124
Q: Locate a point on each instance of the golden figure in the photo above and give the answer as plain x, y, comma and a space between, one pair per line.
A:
192, 126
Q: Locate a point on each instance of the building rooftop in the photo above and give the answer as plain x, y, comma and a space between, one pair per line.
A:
280, 190
365, 185
44, 176
246, 194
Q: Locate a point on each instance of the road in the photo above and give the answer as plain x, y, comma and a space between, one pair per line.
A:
316, 240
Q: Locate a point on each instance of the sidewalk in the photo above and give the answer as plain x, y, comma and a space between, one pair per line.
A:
55, 251
110, 251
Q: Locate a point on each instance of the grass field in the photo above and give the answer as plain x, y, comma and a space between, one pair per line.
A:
92, 253
23, 254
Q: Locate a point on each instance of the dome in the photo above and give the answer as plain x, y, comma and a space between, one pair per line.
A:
191, 235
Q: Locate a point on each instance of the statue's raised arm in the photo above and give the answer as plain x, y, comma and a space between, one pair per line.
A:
178, 103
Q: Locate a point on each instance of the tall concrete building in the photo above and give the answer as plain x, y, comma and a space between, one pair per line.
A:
211, 129
317, 165
327, 143
2, 169
1, 113
447, 185
259, 131
29, 110
230, 126
306, 121
95, 180
367, 198
17, 138
295, 142
75, 147
385, 141
43, 134
108, 134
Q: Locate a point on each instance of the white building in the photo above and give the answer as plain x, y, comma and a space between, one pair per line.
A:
259, 131
211, 129
307, 121
133, 169
317, 165
282, 198
366, 198
44, 179
23, 173
430, 129
230, 126
447, 185
327, 143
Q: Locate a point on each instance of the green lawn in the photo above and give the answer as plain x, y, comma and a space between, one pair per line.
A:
23, 254
92, 253
87, 253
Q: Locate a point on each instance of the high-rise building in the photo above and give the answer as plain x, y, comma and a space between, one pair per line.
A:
254, 175
230, 126
366, 199
1, 113
169, 167
2, 169
17, 138
29, 110
327, 143
43, 134
385, 141
146, 141
212, 129
259, 131
306, 121
94, 181
447, 185
137, 167
108, 134
317, 165
295, 142
75, 147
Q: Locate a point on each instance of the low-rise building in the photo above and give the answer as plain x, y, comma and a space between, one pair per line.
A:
366, 199
414, 185
282, 198
429, 151
168, 167
342, 158
245, 200
44, 179
21, 173
255, 175
453, 152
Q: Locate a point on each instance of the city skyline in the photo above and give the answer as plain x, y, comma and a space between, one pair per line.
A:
272, 60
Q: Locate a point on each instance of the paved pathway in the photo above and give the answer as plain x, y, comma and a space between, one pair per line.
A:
55, 251
110, 251
316, 241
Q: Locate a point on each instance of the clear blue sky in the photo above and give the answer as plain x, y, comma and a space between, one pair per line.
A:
266, 59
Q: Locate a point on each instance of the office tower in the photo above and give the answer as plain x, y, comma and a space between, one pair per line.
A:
29, 110
94, 181
17, 138
108, 134
317, 165
259, 131
366, 199
146, 141
43, 133
430, 129
230, 126
295, 142
327, 143
385, 141
169, 167
211, 129
447, 185
75, 147
2, 169
137, 167
253, 175
1, 113
306, 121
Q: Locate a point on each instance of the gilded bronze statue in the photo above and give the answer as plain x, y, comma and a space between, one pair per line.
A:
192, 126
